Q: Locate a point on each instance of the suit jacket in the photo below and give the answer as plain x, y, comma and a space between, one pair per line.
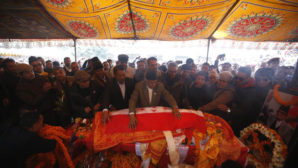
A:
113, 95
140, 96
81, 98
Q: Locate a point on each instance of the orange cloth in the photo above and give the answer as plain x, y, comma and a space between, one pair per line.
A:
155, 150
221, 143
61, 154
104, 141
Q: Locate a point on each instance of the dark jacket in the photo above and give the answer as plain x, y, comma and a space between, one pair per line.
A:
81, 98
244, 110
221, 96
68, 73
113, 95
198, 97
31, 96
175, 87
8, 83
17, 144
62, 101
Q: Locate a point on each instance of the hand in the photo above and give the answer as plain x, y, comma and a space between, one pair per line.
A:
176, 112
87, 109
132, 121
105, 117
47, 86
96, 107
5, 102
223, 107
112, 108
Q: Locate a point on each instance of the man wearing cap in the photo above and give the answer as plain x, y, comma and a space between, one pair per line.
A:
85, 96
149, 93
36, 93
123, 60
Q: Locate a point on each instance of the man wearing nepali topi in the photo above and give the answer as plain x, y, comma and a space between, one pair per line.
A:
149, 93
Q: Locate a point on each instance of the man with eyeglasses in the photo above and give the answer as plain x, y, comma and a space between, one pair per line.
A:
244, 112
35, 93
85, 96
174, 83
37, 66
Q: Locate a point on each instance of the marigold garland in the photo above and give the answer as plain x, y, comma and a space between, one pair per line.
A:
61, 152
279, 151
128, 160
280, 101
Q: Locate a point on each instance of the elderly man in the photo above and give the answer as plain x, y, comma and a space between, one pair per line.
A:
36, 93
149, 93
85, 96
174, 83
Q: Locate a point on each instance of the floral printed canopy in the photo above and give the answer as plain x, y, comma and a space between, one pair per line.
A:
249, 20
171, 20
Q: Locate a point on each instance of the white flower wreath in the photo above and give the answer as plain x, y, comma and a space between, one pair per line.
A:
279, 151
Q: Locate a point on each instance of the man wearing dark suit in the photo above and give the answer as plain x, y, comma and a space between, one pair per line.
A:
118, 91
149, 93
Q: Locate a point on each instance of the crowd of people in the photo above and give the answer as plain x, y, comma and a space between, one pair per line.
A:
44, 92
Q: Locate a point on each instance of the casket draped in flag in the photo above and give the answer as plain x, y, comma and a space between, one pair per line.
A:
151, 122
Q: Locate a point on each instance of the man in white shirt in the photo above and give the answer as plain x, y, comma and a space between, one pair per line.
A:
117, 92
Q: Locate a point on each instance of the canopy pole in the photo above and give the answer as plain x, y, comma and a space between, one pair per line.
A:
131, 19
75, 48
208, 46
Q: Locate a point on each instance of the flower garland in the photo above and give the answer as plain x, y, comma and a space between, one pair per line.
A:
279, 151
61, 152
82, 128
128, 160
280, 101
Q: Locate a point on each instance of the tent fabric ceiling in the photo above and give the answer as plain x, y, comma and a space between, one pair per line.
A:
23, 19
152, 19
260, 21
171, 20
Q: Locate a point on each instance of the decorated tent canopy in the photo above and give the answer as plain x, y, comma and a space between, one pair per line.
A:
171, 20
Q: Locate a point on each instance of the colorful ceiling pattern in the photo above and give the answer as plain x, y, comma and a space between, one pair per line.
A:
170, 20
178, 20
257, 20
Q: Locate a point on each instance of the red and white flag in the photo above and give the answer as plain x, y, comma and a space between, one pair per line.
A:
156, 119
